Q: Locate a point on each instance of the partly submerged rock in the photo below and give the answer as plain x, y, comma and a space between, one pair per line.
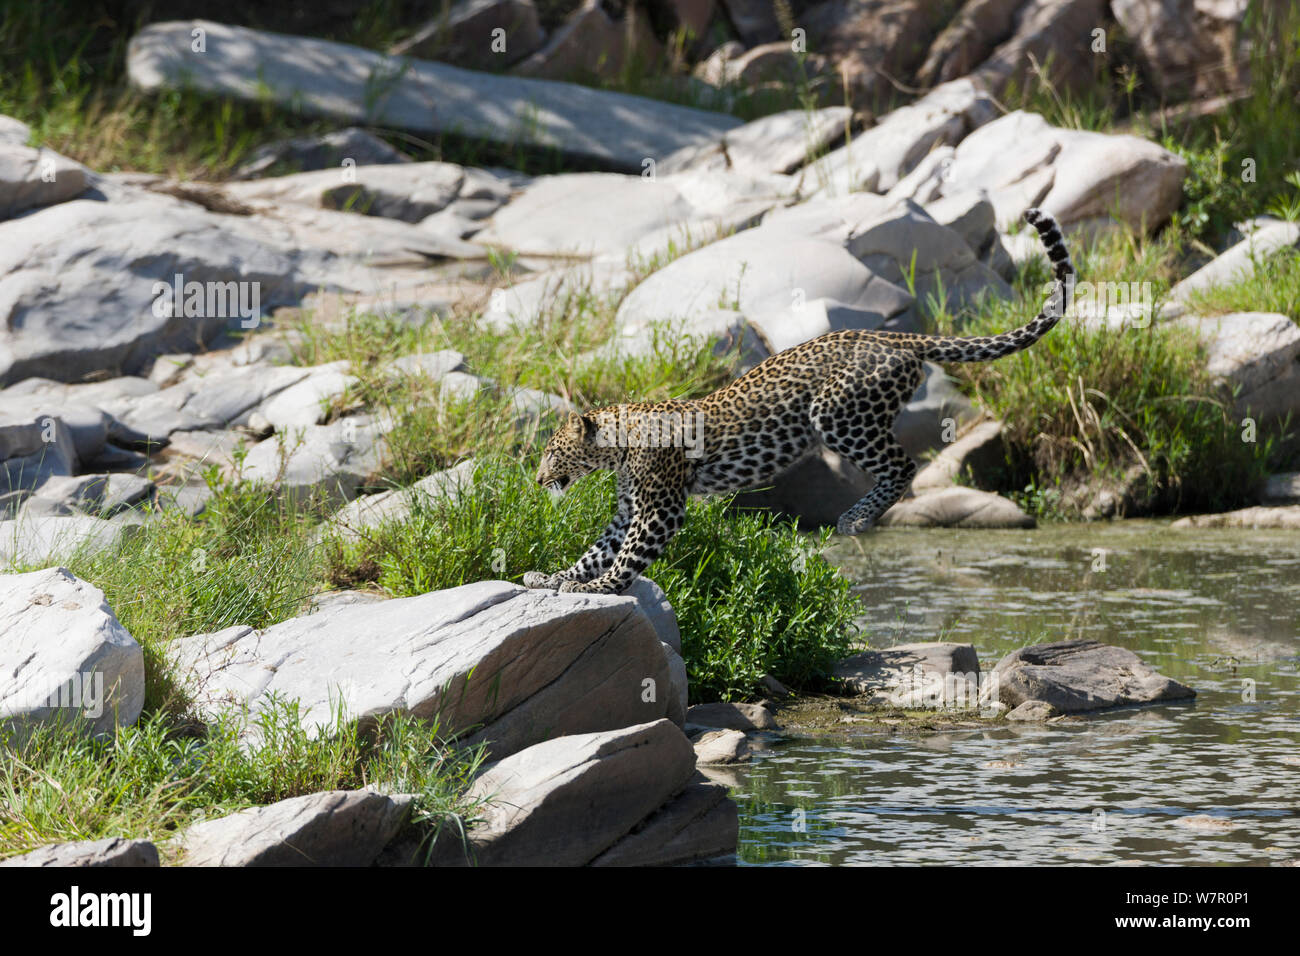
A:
956, 507
1078, 676
566, 801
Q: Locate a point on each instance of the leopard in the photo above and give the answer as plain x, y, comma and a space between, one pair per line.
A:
842, 390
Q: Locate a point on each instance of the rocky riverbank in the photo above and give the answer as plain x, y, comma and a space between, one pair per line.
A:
266, 409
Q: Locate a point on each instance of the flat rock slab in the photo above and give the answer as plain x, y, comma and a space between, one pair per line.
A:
333, 828
112, 852
1078, 676
956, 507
354, 85
524, 665
898, 672
566, 801
65, 657
725, 716
1283, 516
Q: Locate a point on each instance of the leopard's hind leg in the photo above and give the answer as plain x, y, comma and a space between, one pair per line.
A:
854, 414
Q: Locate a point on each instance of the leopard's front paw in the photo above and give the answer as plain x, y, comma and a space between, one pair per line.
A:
540, 579
847, 525
570, 586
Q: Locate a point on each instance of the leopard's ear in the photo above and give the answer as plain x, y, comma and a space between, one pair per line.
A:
581, 426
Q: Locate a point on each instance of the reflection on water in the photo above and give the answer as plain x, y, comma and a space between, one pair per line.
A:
1211, 781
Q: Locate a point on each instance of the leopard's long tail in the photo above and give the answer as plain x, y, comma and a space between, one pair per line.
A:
955, 348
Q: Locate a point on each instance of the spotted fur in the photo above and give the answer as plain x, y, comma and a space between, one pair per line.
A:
843, 389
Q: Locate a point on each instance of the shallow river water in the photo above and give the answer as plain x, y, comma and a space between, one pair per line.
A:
1215, 609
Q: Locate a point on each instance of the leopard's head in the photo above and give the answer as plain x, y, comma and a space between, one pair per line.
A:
573, 451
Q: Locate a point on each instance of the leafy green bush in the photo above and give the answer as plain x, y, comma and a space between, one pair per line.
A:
753, 596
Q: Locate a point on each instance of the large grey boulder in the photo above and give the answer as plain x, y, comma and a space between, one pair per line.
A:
522, 665
88, 286
333, 828
933, 674
899, 241
64, 657
761, 271
1078, 676
566, 801
353, 85
956, 507
109, 852
1082, 178
1257, 355
31, 177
